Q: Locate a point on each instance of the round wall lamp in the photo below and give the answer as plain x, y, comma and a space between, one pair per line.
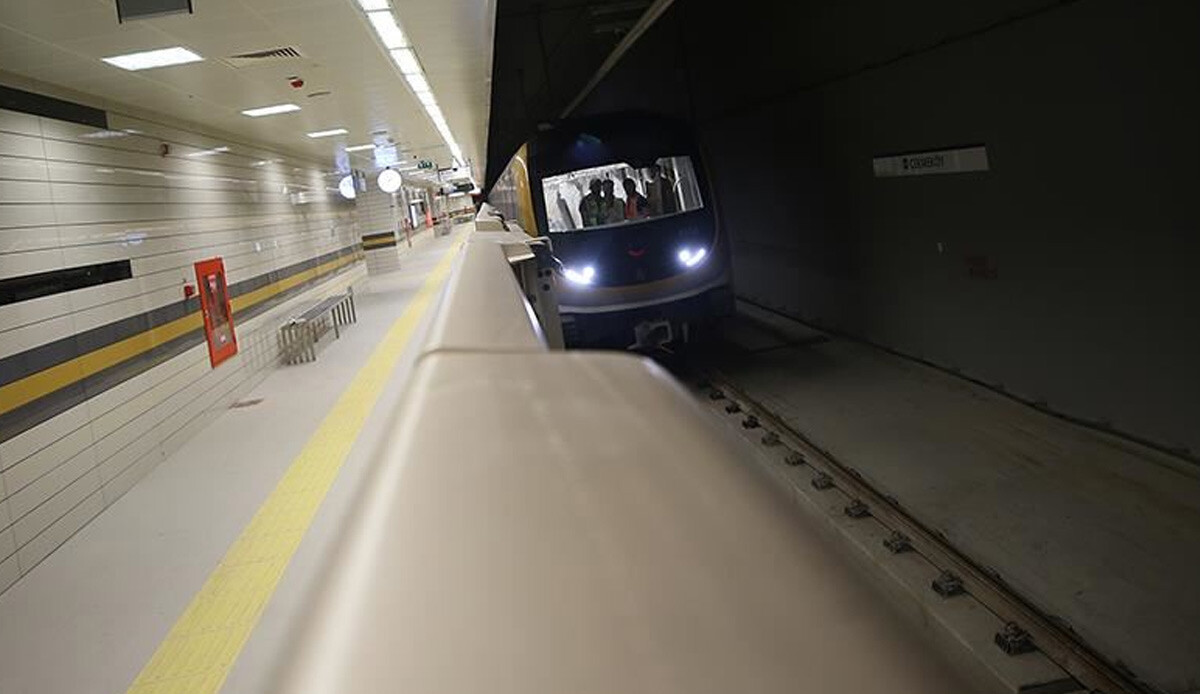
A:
390, 180
346, 187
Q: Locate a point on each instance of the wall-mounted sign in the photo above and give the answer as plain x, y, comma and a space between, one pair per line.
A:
424, 164
940, 161
214, 305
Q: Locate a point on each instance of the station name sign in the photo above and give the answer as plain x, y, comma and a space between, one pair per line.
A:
942, 161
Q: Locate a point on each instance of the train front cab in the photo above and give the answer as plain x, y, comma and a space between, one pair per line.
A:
639, 272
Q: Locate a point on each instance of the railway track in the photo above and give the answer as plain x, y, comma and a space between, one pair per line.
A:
1024, 628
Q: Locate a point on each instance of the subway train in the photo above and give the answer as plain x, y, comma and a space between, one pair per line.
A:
628, 207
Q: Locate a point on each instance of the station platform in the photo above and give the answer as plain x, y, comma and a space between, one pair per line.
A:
1098, 532
90, 617
206, 575
226, 568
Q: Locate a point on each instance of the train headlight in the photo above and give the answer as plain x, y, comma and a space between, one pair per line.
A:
691, 257
583, 276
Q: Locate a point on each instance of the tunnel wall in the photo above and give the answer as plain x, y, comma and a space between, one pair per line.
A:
75, 195
1063, 275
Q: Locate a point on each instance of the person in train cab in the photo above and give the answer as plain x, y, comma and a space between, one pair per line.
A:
564, 212
612, 208
636, 205
591, 207
660, 192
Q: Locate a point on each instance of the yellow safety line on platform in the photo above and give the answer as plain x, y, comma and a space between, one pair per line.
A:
199, 652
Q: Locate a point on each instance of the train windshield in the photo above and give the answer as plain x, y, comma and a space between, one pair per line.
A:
616, 194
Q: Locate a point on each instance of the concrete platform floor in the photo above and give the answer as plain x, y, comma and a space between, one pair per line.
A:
1099, 532
88, 618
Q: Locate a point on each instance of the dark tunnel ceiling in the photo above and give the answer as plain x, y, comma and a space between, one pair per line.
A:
545, 53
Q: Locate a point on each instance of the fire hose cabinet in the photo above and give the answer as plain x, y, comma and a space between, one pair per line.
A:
215, 307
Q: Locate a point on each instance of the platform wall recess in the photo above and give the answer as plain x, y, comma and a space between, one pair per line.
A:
99, 384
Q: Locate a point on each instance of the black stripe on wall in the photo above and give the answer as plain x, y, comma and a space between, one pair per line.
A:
39, 105
26, 287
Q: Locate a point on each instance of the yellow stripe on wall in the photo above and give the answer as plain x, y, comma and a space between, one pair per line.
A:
46, 381
245, 301
201, 648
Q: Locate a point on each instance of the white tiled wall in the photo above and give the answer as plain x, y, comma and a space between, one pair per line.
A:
377, 213
71, 195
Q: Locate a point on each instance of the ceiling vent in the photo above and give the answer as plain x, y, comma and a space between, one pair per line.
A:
271, 56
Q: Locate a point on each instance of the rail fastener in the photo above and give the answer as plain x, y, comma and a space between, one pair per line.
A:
1014, 640
897, 542
857, 509
947, 584
794, 458
822, 481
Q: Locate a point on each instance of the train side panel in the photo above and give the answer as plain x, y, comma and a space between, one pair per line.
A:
511, 193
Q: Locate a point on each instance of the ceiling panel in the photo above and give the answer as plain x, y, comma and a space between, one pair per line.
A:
61, 42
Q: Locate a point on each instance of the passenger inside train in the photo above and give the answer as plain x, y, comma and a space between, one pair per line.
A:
654, 190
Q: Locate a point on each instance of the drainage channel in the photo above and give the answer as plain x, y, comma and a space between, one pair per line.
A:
999, 639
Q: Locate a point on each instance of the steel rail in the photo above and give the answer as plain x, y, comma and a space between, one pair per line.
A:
1055, 640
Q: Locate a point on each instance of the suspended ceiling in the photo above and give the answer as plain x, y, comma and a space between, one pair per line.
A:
61, 42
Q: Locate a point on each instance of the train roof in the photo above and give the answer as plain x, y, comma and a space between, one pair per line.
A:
635, 138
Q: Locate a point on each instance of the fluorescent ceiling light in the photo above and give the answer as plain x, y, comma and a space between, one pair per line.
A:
104, 134
427, 98
359, 148
210, 152
387, 28
328, 133
150, 59
406, 60
372, 5
418, 82
270, 110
